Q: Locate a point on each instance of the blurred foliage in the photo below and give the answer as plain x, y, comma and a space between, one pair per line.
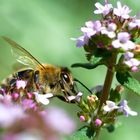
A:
44, 28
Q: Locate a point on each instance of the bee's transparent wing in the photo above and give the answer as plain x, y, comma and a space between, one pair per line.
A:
22, 55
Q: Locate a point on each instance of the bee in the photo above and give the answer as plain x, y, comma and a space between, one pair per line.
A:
43, 78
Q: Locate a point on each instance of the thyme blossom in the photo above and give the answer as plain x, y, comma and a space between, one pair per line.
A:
21, 84
43, 98
110, 30
92, 27
123, 41
81, 41
98, 122
59, 120
110, 106
103, 9
134, 24
126, 109
9, 114
122, 11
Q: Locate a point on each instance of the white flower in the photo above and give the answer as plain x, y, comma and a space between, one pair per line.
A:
109, 31
92, 28
102, 9
128, 55
123, 41
134, 23
77, 97
110, 106
21, 84
126, 109
132, 62
122, 11
43, 98
81, 41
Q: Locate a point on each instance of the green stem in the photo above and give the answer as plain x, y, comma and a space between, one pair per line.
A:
108, 81
97, 135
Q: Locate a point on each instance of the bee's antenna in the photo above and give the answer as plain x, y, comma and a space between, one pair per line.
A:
76, 80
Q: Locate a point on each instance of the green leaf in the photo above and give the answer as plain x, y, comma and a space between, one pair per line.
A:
96, 61
129, 82
84, 65
82, 134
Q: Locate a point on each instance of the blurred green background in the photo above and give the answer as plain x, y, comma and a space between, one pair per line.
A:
44, 28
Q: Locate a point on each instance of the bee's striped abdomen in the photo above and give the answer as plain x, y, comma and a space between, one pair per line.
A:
9, 82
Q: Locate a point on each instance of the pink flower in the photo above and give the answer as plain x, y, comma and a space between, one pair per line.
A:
134, 69
6, 99
29, 104
15, 95
59, 120
9, 114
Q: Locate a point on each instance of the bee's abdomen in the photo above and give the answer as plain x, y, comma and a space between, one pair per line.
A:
8, 82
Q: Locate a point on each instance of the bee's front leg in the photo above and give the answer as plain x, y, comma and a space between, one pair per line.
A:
36, 79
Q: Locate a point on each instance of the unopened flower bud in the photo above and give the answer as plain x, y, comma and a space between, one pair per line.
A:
30, 95
119, 88
98, 122
82, 118
92, 98
15, 96
137, 49
134, 69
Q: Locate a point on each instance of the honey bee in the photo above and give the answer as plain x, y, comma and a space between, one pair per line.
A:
44, 78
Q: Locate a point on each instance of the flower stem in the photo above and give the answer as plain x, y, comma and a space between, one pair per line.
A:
108, 81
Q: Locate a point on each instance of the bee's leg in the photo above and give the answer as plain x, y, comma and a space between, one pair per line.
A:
36, 79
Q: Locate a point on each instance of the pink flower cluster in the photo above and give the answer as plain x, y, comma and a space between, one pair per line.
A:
18, 122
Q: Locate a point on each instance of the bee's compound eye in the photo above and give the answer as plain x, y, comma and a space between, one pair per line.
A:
65, 77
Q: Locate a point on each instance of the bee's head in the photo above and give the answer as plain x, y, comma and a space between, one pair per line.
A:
67, 82
66, 76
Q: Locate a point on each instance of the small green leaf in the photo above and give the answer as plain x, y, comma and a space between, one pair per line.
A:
83, 134
84, 65
96, 61
129, 82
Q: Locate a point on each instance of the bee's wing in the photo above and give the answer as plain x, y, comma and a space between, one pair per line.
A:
22, 55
